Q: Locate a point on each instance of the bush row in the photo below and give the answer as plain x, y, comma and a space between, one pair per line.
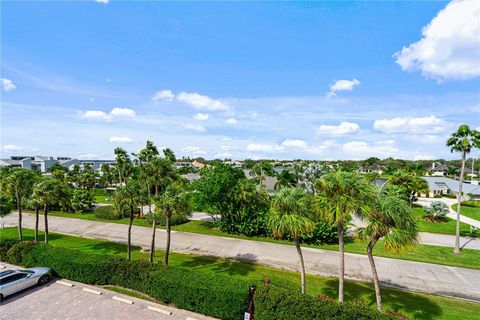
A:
282, 304
110, 213
212, 294
471, 203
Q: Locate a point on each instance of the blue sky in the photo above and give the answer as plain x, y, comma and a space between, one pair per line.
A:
330, 80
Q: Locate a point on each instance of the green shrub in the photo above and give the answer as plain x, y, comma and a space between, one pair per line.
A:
282, 304
110, 213
437, 211
161, 220
324, 232
5, 245
471, 203
17, 252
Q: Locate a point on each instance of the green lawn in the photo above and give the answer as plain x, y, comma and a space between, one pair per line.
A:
447, 227
102, 197
415, 306
470, 212
421, 253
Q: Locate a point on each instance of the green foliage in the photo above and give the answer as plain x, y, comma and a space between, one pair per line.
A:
82, 200
160, 219
437, 211
111, 213
283, 304
323, 232
216, 295
6, 205
471, 203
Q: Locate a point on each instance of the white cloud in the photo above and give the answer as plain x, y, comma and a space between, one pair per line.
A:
166, 95
342, 85
422, 157
342, 129
201, 117
121, 139
114, 113
7, 85
194, 150
195, 127
408, 124
104, 2
364, 149
264, 147
123, 112
95, 115
294, 143
199, 101
11, 148
231, 121
226, 148
450, 46
223, 155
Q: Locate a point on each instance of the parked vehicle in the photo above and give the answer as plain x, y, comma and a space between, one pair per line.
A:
12, 281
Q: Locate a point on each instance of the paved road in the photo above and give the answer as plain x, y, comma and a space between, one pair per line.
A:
55, 301
416, 276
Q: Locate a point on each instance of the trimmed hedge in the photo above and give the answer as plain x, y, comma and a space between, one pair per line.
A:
213, 294
110, 213
282, 304
162, 221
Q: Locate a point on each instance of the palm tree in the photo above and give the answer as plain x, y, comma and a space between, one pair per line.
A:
122, 163
463, 140
340, 195
48, 192
19, 183
285, 179
290, 214
129, 197
391, 218
452, 171
174, 201
411, 184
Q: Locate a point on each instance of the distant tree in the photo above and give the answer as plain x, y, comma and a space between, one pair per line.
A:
411, 184
285, 178
464, 140
123, 163
169, 155
290, 214
452, 171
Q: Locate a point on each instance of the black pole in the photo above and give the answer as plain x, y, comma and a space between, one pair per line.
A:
251, 305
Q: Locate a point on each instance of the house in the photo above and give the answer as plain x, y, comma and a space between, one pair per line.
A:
469, 172
447, 186
376, 168
42, 163
182, 164
438, 169
198, 165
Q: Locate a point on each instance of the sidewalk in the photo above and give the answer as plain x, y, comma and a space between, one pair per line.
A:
415, 276
452, 214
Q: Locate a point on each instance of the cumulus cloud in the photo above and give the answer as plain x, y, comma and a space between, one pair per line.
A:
294, 143
364, 149
199, 101
450, 46
195, 127
123, 112
194, 150
231, 121
223, 155
11, 148
114, 113
344, 128
201, 117
409, 124
121, 139
342, 85
166, 95
7, 85
258, 147
422, 157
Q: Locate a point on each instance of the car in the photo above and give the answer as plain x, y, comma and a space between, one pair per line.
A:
15, 280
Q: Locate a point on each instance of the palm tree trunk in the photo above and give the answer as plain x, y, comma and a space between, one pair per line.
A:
167, 247
36, 223
19, 207
341, 271
376, 282
152, 245
45, 216
156, 190
302, 264
456, 250
129, 240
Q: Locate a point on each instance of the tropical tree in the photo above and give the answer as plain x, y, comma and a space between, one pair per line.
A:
285, 179
452, 171
128, 198
411, 184
123, 163
19, 183
174, 201
48, 192
290, 214
339, 195
389, 217
169, 155
6, 205
464, 140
